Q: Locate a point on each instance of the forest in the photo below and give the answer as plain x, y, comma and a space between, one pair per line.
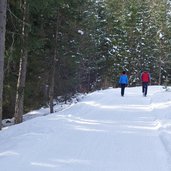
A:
57, 48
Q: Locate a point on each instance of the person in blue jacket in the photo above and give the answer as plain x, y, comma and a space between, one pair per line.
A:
123, 82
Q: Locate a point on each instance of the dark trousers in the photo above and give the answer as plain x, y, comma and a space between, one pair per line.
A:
123, 89
144, 88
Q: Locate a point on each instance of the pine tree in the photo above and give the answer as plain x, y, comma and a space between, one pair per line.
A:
3, 7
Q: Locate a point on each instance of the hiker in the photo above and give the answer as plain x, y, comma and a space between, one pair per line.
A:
145, 78
123, 81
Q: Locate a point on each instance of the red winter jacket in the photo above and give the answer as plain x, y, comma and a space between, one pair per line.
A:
145, 77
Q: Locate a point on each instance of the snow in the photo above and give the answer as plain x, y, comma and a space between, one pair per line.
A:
81, 32
160, 35
108, 39
102, 132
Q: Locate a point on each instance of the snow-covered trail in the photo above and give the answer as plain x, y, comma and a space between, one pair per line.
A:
103, 132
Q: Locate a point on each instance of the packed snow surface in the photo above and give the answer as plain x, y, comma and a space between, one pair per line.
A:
102, 132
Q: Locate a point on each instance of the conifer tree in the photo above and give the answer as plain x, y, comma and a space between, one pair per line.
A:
3, 7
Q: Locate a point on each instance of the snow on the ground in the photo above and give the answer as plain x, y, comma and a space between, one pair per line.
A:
102, 132
59, 105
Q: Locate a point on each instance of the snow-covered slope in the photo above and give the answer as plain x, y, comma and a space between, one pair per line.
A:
103, 132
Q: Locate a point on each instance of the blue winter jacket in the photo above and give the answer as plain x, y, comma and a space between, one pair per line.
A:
123, 79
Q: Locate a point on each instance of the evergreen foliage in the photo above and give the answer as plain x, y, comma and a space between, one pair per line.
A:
96, 41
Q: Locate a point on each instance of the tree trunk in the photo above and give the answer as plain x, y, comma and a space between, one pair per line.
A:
52, 85
53, 70
22, 68
160, 63
3, 7
160, 70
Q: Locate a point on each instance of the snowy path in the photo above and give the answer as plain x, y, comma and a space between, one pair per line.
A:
104, 132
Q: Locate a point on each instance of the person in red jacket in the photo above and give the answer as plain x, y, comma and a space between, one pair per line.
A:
145, 78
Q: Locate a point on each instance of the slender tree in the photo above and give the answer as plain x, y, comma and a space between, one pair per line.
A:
3, 6
23, 64
55, 59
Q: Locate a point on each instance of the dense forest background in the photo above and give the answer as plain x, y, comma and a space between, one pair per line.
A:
77, 46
